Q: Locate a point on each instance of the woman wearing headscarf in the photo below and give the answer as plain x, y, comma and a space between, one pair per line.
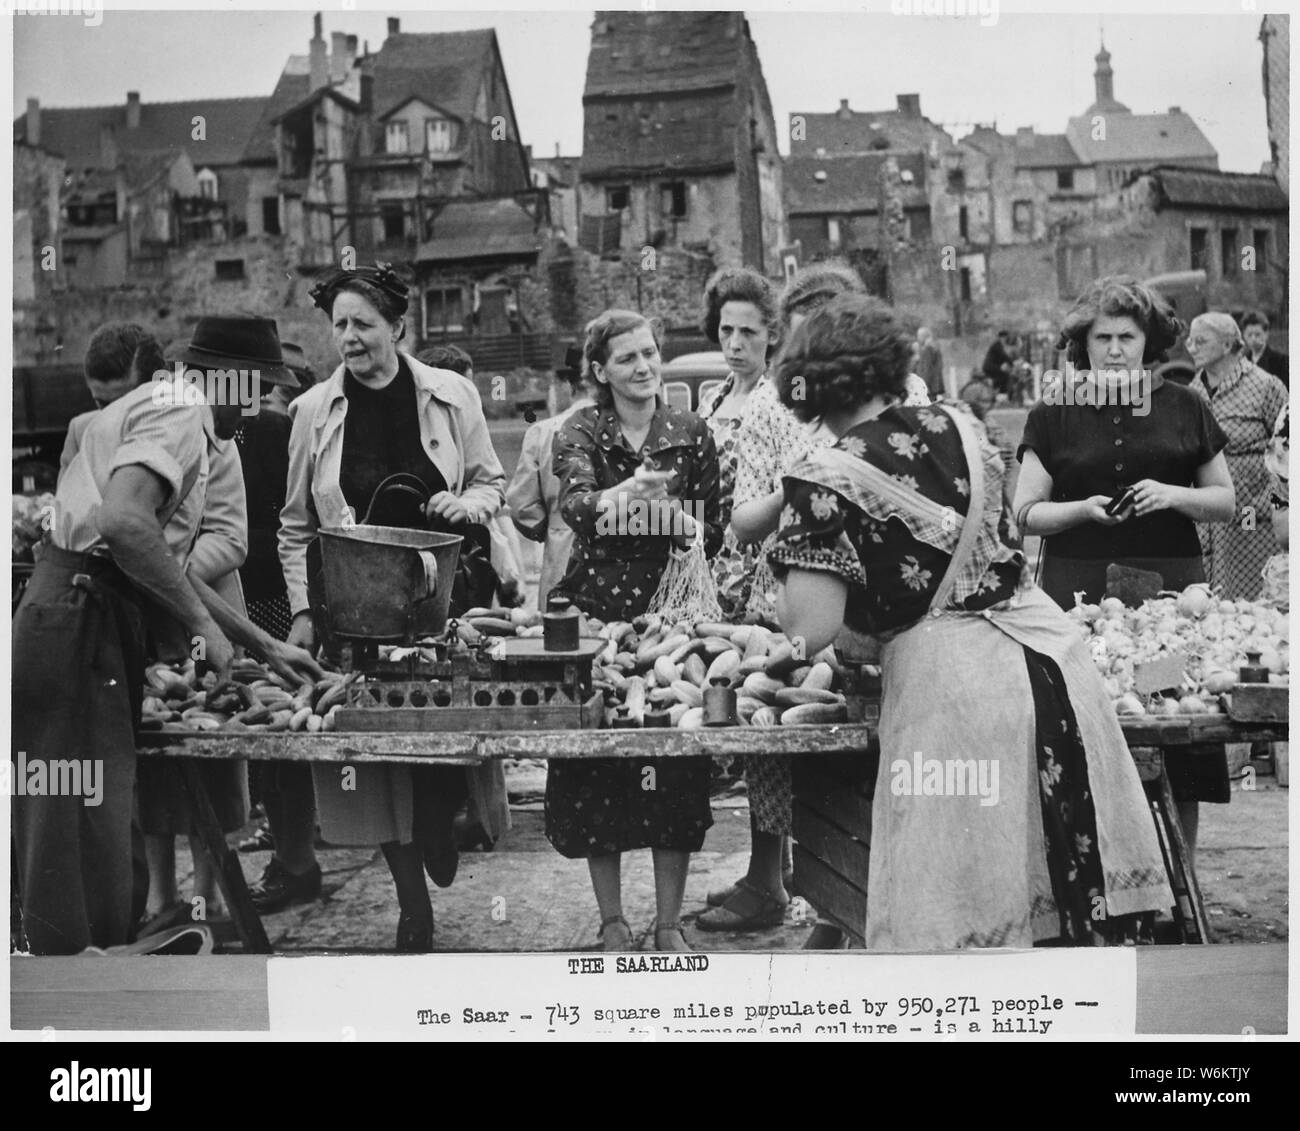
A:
384, 418
1246, 402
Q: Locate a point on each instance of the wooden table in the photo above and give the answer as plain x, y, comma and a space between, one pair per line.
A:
834, 772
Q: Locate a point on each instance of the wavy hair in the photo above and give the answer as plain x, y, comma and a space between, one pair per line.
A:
1119, 296
741, 284
815, 285
602, 330
120, 350
844, 354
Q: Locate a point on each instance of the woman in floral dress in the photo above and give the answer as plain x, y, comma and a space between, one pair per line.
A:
597, 809
1246, 402
768, 442
1036, 826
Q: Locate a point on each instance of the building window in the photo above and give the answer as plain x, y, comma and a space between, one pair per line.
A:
1065, 180
1229, 255
672, 199
1259, 241
207, 184
617, 198
229, 270
965, 284
437, 135
444, 309
1022, 216
963, 222
956, 180
833, 231
392, 214
1200, 241
271, 215
396, 138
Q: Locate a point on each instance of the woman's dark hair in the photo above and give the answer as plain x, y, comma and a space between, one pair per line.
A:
447, 357
120, 350
391, 309
740, 284
815, 285
1254, 318
602, 330
845, 353
1119, 296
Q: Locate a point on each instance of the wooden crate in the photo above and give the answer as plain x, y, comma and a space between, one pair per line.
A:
832, 833
560, 714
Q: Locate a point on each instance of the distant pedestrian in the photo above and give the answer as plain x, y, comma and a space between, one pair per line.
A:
997, 362
929, 365
1254, 330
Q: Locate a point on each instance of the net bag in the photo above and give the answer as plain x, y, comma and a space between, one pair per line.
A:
686, 591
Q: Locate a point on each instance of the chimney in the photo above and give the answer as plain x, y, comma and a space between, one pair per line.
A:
1175, 109
33, 121
338, 56
909, 105
394, 26
1025, 137
319, 65
557, 150
843, 111
132, 109
352, 51
107, 147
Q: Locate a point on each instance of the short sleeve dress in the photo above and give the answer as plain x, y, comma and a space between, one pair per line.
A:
1099, 450
1246, 406
995, 682
599, 807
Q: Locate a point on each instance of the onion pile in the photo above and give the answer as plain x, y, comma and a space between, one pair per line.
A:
1213, 634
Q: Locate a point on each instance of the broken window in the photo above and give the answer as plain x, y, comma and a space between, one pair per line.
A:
617, 198
672, 199
1260, 244
1229, 256
271, 215
229, 270
1200, 247
1065, 180
392, 213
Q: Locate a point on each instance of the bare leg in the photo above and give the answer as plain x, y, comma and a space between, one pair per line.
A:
670, 886
160, 851
406, 865
607, 882
765, 857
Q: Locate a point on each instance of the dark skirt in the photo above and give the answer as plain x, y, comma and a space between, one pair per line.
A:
602, 806
1198, 773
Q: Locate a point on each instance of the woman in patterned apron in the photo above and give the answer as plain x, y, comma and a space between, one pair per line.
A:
1035, 827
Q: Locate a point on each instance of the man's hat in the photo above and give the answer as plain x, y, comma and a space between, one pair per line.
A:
297, 361
237, 342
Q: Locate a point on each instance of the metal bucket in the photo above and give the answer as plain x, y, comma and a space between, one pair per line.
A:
387, 583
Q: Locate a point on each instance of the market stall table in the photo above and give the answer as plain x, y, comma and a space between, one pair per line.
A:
835, 771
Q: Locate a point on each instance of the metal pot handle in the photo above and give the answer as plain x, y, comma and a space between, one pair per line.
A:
430, 564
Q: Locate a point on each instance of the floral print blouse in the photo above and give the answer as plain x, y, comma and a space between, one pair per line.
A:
891, 548
617, 560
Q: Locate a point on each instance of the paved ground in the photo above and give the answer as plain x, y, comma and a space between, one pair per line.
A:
524, 897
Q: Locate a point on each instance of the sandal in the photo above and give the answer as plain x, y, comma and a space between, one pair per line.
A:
615, 943
673, 935
720, 896
770, 912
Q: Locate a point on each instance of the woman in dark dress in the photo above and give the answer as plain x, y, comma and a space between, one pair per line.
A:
1000, 819
598, 809
384, 414
1076, 457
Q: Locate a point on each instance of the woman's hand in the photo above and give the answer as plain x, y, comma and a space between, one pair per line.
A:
447, 507
644, 486
302, 633
1151, 496
1094, 510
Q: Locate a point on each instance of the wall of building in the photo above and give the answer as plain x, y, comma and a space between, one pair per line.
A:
1275, 32
38, 177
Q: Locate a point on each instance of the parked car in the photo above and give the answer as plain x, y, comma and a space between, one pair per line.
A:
690, 377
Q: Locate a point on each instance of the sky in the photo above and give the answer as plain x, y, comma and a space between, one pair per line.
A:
1023, 69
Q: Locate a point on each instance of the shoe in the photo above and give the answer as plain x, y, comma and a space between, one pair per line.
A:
414, 933
669, 936
767, 912
615, 940
278, 888
441, 856
192, 940
720, 896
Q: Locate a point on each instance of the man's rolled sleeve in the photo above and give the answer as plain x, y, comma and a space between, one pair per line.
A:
167, 439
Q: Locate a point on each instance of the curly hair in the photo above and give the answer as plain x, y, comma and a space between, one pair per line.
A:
602, 330
1119, 296
740, 284
120, 350
815, 285
844, 354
